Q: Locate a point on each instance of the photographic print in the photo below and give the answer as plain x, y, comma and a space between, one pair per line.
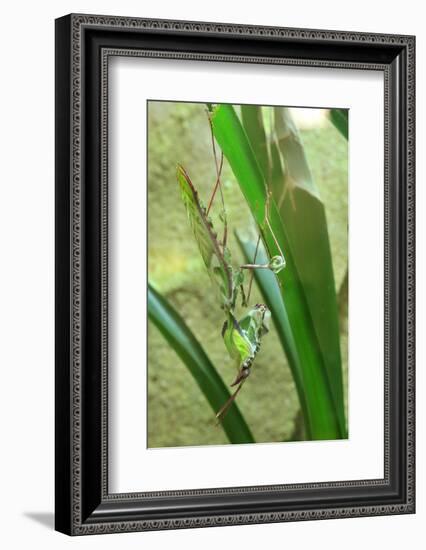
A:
247, 274
234, 328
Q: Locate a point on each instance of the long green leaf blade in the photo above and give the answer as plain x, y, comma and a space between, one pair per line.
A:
306, 226
251, 116
289, 178
187, 347
270, 290
229, 133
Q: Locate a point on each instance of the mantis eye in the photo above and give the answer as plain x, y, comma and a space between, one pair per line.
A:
277, 263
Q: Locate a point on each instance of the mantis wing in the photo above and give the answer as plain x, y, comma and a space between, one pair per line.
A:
237, 342
216, 258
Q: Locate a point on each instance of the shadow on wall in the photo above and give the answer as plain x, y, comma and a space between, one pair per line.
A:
47, 519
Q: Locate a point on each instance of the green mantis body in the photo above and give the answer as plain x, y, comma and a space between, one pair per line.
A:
242, 337
242, 340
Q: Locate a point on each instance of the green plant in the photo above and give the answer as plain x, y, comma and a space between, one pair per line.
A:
190, 351
268, 160
307, 284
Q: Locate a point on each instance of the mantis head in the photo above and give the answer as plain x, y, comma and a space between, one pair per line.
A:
261, 316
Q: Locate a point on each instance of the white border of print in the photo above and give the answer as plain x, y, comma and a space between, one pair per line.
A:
133, 467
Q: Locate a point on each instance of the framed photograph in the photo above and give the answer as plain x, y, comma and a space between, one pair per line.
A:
234, 274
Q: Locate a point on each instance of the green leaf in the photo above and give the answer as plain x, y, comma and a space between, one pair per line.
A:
270, 290
193, 356
251, 116
340, 119
304, 216
325, 417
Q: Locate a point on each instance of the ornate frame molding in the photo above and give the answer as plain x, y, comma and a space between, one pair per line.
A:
76, 510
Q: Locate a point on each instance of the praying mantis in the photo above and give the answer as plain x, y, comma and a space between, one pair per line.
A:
242, 338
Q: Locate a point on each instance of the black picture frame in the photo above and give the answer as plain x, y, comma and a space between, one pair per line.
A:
83, 504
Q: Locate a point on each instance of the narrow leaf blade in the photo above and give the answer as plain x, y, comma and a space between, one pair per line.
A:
306, 228
270, 290
193, 356
323, 416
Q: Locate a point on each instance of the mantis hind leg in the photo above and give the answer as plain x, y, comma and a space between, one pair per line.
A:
224, 409
243, 374
243, 371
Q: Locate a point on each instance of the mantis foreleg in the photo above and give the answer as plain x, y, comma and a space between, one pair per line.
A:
224, 409
276, 263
